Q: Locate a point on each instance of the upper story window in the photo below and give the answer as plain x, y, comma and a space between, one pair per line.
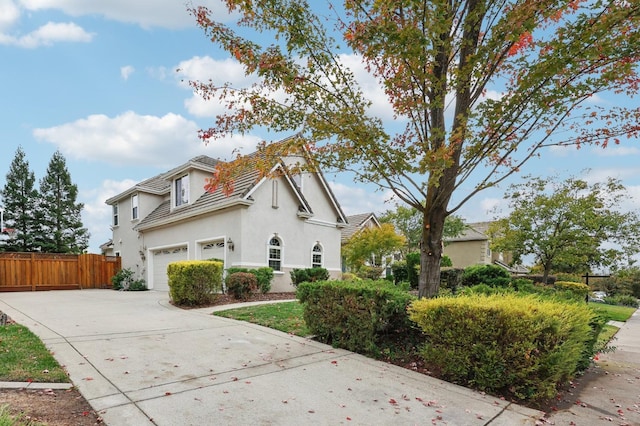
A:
134, 207
316, 256
115, 215
181, 192
275, 254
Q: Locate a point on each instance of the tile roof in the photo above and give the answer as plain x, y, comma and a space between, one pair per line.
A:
473, 232
354, 224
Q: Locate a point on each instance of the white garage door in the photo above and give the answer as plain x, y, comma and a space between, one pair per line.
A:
162, 258
212, 250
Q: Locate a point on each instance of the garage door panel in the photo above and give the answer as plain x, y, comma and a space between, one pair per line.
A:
161, 259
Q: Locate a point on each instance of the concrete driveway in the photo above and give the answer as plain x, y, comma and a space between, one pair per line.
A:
138, 360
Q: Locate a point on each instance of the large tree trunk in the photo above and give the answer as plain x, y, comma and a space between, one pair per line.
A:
431, 246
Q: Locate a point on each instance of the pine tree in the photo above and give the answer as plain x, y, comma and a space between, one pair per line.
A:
61, 223
20, 199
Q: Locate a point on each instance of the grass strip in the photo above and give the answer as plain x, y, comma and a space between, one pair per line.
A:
613, 312
24, 358
284, 316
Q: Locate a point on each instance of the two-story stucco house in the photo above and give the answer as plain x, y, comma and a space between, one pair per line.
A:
284, 222
473, 247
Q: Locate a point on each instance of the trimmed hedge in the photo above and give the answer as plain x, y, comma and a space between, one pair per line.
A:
194, 282
264, 276
491, 275
451, 278
579, 289
241, 284
354, 315
505, 344
301, 275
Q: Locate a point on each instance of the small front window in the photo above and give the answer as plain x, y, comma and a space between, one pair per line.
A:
182, 191
134, 207
316, 256
275, 254
115, 215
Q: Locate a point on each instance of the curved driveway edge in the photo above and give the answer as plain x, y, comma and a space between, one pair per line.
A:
138, 360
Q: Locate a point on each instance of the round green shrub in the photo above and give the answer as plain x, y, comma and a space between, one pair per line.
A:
491, 275
241, 284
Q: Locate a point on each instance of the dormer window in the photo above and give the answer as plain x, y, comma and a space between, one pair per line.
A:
181, 191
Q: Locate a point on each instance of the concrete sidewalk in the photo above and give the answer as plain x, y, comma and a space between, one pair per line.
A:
138, 360
611, 391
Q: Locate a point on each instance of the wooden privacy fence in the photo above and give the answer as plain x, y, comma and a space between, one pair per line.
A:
51, 271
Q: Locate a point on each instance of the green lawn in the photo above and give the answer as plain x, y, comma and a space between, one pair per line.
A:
284, 316
613, 312
23, 357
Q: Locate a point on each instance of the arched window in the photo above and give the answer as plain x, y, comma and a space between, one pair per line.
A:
316, 256
275, 254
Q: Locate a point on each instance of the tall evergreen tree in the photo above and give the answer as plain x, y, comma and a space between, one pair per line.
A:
61, 224
20, 199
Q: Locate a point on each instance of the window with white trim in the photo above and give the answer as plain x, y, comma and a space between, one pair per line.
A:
316, 256
115, 215
275, 254
134, 207
181, 191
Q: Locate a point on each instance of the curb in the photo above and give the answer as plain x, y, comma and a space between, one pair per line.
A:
33, 385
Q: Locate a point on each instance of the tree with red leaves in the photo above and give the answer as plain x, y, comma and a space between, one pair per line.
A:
437, 61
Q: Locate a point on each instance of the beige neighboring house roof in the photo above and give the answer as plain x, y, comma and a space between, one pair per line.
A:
355, 223
473, 232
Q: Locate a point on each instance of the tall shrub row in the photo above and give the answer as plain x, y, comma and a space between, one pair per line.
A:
354, 315
505, 344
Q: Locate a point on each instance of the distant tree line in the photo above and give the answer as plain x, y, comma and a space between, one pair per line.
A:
45, 219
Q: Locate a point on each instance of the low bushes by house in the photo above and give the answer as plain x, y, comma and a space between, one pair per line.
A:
354, 315
241, 284
124, 281
451, 278
622, 300
301, 275
505, 344
579, 289
367, 272
491, 275
263, 275
194, 282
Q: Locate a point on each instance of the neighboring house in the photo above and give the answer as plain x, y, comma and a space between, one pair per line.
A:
283, 222
356, 223
472, 247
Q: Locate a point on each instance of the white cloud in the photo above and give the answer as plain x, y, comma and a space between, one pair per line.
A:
615, 151
145, 13
49, 34
126, 71
132, 139
96, 215
205, 69
9, 14
360, 199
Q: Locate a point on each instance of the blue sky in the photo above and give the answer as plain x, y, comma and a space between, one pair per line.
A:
98, 81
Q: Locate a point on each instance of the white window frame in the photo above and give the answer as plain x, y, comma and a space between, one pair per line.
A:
115, 215
276, 248
181, 191
314, 253
135, 210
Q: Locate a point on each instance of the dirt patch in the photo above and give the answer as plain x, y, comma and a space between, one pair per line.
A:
53, 407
